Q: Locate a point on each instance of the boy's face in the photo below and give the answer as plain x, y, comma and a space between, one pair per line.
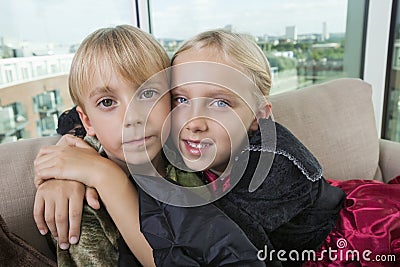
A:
209, 122
127, 121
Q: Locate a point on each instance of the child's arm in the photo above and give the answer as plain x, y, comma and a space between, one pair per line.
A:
58, 205
84, 164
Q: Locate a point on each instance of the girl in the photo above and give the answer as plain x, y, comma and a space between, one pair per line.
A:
294, 207
105, 78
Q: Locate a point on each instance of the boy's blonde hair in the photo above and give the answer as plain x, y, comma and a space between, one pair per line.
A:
240, 49
130, 52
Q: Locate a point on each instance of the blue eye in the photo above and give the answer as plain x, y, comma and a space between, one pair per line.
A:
181, 100
220, 104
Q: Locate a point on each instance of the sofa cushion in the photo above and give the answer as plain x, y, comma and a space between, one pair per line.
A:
336, 121
16, 252
17, 190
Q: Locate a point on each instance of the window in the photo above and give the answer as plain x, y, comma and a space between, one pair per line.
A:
306, 42
391, 120
12, 122
37, 42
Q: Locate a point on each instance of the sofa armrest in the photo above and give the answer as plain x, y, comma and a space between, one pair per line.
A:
389, 159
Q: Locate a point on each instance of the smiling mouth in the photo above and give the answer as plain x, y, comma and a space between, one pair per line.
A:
197, 144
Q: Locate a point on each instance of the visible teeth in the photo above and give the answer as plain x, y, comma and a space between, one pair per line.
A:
197, 145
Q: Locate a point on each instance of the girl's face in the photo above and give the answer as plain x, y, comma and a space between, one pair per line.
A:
127, 121
209, 122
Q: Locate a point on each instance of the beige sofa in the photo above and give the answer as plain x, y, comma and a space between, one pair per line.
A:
335, 120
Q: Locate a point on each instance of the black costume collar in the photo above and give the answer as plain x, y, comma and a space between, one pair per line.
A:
286, 144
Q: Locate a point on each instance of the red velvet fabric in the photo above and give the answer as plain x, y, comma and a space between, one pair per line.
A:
368, 229
212, 177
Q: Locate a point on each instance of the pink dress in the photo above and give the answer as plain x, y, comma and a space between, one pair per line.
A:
368, 229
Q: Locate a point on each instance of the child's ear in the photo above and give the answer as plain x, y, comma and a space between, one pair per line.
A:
263, 113
85, 121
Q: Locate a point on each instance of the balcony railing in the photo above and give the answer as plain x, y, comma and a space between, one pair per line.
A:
23, 69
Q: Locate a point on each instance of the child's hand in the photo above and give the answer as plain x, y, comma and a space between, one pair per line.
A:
78, 162
59, 204
92, 197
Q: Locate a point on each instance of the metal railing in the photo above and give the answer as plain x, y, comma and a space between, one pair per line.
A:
23, 69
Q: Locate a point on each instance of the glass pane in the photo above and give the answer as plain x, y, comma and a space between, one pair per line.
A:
392, 118
306, 42
37, 42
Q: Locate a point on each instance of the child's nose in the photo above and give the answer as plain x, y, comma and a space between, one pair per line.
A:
197, 125
133, 117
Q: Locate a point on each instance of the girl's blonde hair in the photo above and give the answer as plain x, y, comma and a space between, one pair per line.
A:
240, 49
130, 52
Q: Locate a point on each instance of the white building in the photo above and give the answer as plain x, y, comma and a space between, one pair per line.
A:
291, 33
325, 33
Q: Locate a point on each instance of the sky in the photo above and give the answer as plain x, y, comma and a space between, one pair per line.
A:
182, 18
60, 21
69, 21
